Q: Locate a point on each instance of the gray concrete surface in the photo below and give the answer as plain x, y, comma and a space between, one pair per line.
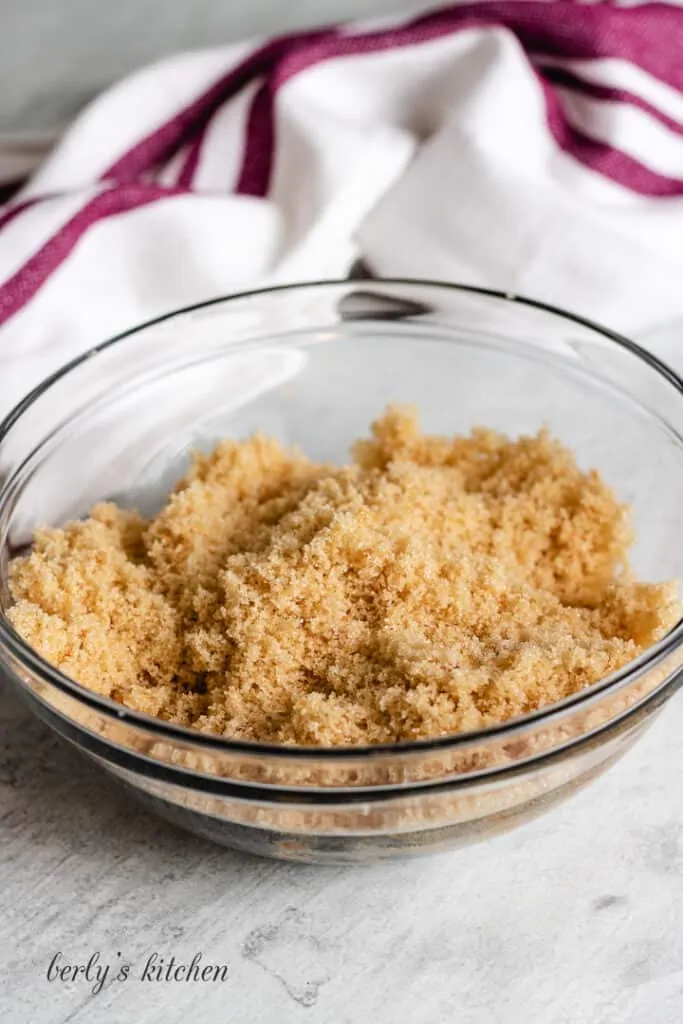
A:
56, 54
573, 919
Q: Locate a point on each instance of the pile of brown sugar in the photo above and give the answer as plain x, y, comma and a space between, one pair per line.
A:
434, 586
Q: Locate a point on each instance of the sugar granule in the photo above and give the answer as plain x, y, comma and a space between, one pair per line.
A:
434, 586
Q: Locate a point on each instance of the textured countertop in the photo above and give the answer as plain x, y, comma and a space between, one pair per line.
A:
575, 918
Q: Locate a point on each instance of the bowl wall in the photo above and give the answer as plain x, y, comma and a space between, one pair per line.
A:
314, 365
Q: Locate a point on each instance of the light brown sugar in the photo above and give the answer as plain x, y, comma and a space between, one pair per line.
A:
436, 585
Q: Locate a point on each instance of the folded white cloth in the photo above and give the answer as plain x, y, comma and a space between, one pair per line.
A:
532, 147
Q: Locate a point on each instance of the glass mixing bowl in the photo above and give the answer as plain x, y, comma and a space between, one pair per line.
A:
313, 365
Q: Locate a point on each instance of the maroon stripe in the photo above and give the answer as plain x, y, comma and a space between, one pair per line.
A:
24, 284
604, 159
187, 171
166, 140
537, 25
568, 80
259, 147
649, 35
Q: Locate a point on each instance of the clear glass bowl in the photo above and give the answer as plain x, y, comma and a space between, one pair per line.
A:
314, 364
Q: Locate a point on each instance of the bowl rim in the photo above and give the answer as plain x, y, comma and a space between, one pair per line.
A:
510, 729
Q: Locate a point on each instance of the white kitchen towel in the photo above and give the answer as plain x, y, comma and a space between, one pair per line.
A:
535, 147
